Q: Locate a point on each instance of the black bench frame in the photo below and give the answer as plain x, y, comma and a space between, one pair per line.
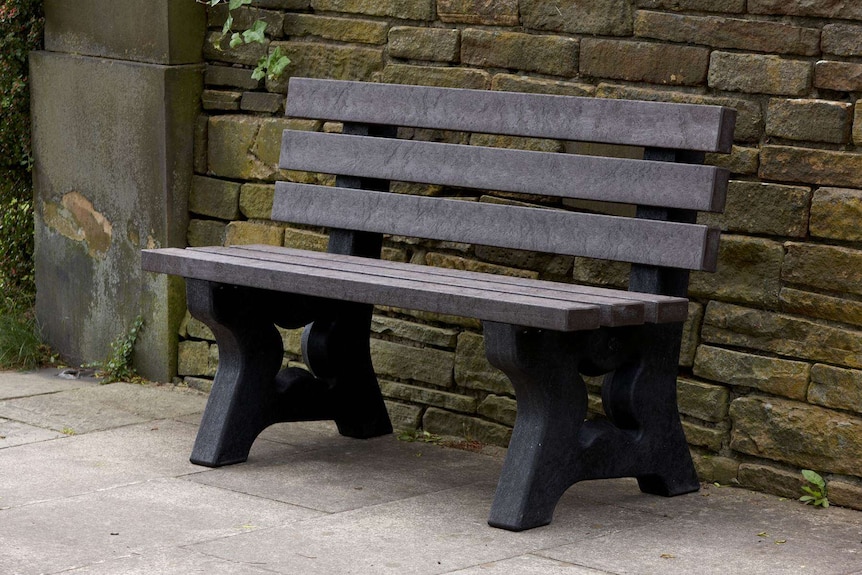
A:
542, 335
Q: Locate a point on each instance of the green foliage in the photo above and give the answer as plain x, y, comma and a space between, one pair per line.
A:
815, 490
270, 66
118, 367
20, 345
415, 435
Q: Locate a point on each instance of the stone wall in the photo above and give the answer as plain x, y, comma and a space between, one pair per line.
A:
772, 366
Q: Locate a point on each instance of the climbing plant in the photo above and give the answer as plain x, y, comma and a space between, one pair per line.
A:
271, 65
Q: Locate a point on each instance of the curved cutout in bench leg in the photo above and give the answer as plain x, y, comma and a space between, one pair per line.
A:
552, 404
250, 354
641, 397
337, 349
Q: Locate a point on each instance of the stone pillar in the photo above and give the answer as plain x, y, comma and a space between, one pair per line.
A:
115, 95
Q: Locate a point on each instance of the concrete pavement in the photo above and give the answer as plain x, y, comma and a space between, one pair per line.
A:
96, 480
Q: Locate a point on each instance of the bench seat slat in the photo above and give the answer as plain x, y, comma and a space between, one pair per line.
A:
657, 308
636, 123
614, 311
363, 288
691, 187
641, 241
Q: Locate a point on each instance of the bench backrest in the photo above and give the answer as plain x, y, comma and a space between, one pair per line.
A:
669, 185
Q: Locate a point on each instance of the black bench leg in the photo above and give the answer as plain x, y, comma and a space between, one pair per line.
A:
552, 447
337, 349
250, 355
641, 396
552, 404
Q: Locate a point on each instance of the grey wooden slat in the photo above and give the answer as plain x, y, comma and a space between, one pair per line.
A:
613, 311
657, 308
362, 288
635, 123
684, 186
649, 242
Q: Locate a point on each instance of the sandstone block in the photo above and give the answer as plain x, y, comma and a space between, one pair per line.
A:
339, 29
761, 208
720, 32
785, 335
215, 198
500, 409
839, 76
601, 272
768, 374
702, 400
261, 102
193, 358
822, 167
749, 120
832, 268
199, 383
715, 469
644, 61
759, 74
425, 396
547, 265
244, 17
426, 334
404, 417
725, 6
709, 437
836, 213
472, 370
217, 49
552, 55
819, 9
770, 479
229, 143
221, 100
318, 60
604, 17
842, 40
267, 143
442, 422
691, 334
404, 9
284, 4
488, 12
412, 363
206, 233
845, 492
255, 201
291, 339
749, 271
305, 240
821, 306
740, 160
515, 83
231, 77
812, 120
802, 435
246, 233
836, 387
439, 77
433, 44
198, 330
857, 124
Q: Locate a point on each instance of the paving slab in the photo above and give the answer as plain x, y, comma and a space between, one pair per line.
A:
527, 565
26, 383
58, 535
349, 475
430, 534
92, 408
168, 561
13, 433
75, 465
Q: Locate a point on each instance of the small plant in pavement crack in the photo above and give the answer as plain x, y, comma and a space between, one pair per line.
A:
815, 491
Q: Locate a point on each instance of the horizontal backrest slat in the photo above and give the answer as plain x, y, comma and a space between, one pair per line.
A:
633, 240
684, 186
635, 123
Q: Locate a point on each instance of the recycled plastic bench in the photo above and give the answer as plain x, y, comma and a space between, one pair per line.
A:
543, 335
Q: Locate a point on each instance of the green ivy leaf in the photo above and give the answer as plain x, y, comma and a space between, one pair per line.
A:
255, 33
236, 40
234, 4
228, 24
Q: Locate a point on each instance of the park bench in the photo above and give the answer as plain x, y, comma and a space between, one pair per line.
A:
543, 335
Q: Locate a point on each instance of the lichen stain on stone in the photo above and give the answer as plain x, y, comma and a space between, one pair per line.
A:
76, 218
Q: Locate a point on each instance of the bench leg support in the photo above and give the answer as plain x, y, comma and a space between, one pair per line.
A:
553, 447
